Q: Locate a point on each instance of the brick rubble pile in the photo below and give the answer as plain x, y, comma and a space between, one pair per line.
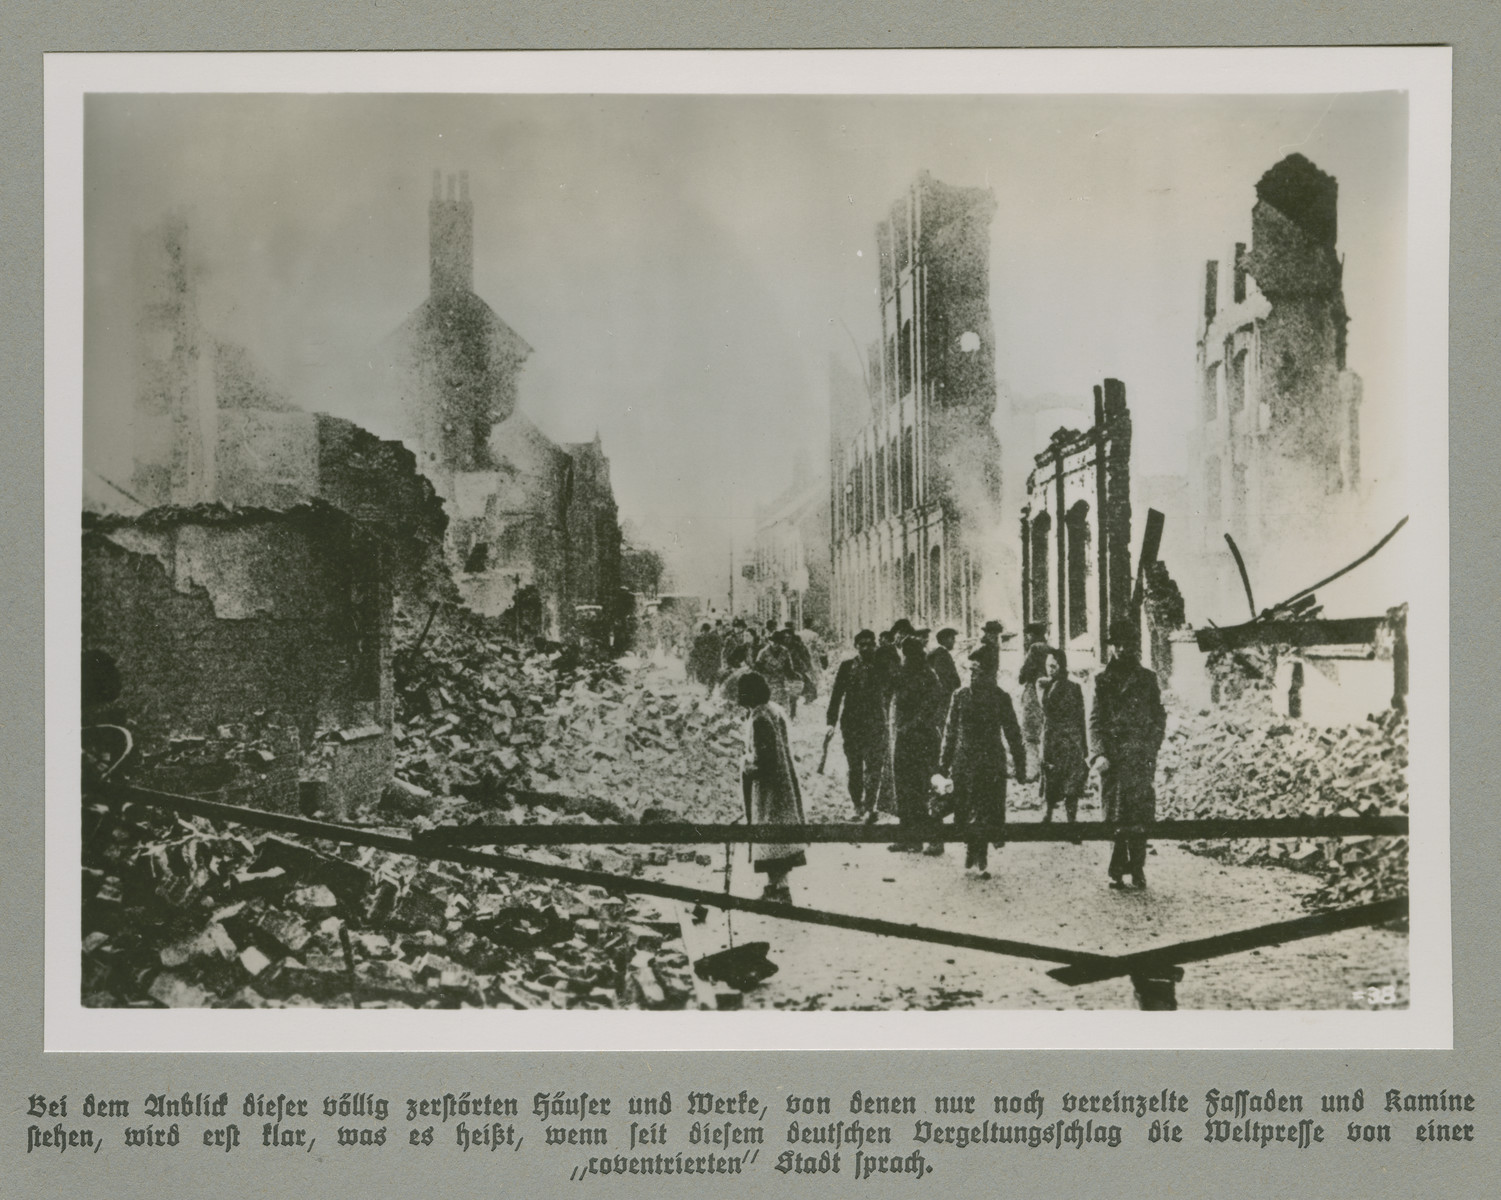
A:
1244, 761
184, 912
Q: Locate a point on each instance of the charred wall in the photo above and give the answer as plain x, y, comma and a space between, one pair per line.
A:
213, 616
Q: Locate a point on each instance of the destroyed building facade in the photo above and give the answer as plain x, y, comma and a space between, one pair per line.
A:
914, 461
274, 620
1076, 532
1275, 444
791, 572
251, 584
534, 533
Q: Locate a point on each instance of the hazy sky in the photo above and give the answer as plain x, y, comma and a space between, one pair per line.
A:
684, 267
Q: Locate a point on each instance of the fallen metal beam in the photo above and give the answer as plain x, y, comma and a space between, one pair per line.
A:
684, 834
354, 835
1344, 631
1238, 942
1245, 578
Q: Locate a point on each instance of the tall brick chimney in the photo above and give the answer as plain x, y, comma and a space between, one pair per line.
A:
450, 222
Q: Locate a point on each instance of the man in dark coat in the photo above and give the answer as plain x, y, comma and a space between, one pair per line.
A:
941, 660
1126, 726
856, 705
912, 736
1063, 750
802, 660
981, 726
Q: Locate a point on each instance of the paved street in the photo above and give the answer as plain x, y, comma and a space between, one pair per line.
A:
1050, 893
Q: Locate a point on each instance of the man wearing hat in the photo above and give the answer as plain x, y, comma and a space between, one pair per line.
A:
1126, 726
990, 634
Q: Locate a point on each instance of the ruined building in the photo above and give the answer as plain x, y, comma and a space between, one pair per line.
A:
1076, 531
248, 584
533, 531
275, 622
914, 461
790, 564
1275, 447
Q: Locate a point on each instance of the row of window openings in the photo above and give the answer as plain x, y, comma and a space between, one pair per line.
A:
870, 493
879, 585
894, 364
1076, 565
1235, 386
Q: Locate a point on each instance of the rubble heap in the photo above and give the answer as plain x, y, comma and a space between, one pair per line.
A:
1242, 760
479, 718
184, 912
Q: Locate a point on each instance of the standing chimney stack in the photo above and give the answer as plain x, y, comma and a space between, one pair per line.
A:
451, 237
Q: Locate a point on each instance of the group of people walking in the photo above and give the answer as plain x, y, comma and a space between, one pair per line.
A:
788, 659
920, 743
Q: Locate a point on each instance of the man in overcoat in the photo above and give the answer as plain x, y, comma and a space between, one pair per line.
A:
1126, 726
856, 705
981, 727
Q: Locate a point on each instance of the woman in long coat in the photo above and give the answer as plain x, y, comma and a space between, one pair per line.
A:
1065, 751
981, 726
769, 785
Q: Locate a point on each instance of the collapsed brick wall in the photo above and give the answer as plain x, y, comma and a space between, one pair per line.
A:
308, 652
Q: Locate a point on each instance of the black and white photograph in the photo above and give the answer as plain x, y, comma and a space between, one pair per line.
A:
543, 555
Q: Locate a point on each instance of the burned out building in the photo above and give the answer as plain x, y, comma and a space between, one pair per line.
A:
246, 579
235, 624
790, 564
914, 461
533, 532
1076, 531
1275, 447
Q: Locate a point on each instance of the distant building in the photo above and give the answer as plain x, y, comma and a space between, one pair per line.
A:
1076, 532
791, 570
914, 461
533, 534
1275, 448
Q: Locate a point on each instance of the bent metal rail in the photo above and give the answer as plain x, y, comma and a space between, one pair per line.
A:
450, 844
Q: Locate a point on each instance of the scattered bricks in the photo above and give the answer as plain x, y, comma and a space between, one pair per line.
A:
247, 997
213, 941
645, 938
284, 929
94, 941
420, 909
170, 991
320, 977
97, 970
1241, 761
381, 902
643, 981
253, 960
347, 880
261, 883
373, 945
314, 898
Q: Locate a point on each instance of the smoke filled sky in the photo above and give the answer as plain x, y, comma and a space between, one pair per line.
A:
685, 266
